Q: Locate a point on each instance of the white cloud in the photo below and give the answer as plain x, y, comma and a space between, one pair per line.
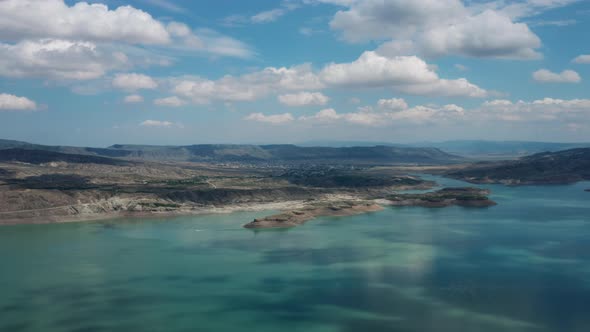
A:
547, 109
325, 115
58, 59
167, 5
131, 99
309, 31
486, 35
450, 88
178, 29
272, 119
582, 59
555, 23
461, 67
541, 112
393, 104
247, 87
263, 17
527, 8
408, 74
566, 76
21, 19
15, 103
134, 81
372, 69
206, 41
170, 102
436, 28
390, 112
354, 100
303, 99
268, 16
53, 40
160, 124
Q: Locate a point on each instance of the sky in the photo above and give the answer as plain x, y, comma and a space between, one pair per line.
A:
231, 71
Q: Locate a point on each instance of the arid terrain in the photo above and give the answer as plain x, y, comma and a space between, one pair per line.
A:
41, 184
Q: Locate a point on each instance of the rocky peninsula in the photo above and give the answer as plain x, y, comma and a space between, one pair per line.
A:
300, 216
466, 197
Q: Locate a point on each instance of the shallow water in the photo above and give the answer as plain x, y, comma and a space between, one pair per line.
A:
523, 265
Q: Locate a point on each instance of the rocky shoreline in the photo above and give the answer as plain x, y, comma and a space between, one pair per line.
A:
300, 216
464, 197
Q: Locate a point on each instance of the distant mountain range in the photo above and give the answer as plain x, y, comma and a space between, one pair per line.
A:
500, 149
236, 153
566, 166
469, 148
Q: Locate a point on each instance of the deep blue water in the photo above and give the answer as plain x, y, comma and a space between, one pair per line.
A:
523, 265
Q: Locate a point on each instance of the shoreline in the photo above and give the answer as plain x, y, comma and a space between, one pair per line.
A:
154, 214
297, 217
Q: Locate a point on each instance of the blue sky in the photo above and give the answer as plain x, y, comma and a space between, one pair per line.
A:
186, 72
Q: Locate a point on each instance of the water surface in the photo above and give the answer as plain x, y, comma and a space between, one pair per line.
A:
523, 265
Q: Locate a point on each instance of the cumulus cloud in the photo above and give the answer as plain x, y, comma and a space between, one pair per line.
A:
20, 19
131, 99
325, 115
14, 103
486, 35
389, 112
170, 102
436, 28
372, 69
134, 81
272, 119
58, 59
53, 40
408, 74
392, 104
566, 76
547, 109
303, 99
582, 59
160, 124
395, 112
247, 87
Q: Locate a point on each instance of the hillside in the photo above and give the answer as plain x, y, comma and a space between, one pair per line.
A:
543, 168
500, 149
37, 157
290, 154
283, 153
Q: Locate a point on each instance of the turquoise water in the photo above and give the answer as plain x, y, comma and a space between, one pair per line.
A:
523, 265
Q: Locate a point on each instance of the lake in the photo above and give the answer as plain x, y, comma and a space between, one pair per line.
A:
523, 265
